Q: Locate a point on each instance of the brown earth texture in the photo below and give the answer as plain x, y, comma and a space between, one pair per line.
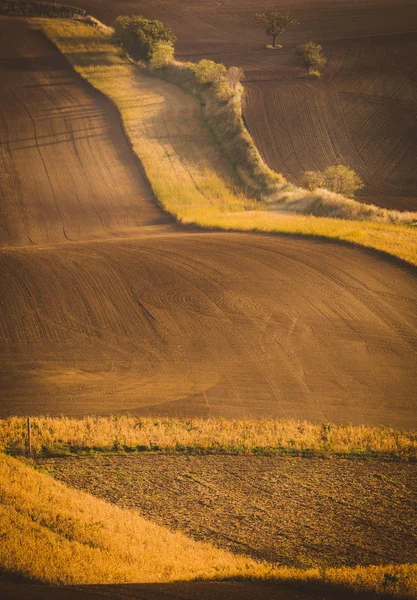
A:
362, 112
295, 512
108, 306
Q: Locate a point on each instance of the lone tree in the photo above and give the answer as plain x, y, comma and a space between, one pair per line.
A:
139, 36
275, 22
309, 56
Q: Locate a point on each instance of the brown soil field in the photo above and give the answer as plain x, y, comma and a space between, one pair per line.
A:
294, 512
67, 172
13, 589
363, 110
108, 307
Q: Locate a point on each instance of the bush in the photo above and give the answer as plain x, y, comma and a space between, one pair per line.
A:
315, 74
215, 74
342, 180
139, 36
162, 55
310, 56
208, 71
312, 180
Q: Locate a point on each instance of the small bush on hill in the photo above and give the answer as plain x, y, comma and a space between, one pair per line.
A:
162, 55
139, 36
208, 71
339, 179
216, 75
342, 180
312, 180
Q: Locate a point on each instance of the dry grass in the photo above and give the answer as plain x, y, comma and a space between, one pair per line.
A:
73, 538
185, 166
61, 436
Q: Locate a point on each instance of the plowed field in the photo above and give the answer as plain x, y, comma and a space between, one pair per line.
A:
361, 113
164, 320
294, 512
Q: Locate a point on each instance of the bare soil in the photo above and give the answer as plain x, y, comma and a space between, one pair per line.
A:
108, 306
363, 110
295, 512
13, 589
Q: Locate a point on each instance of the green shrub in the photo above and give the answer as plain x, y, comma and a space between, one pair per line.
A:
312, 180
139, 36
224, 81
208, 71
162, 55
310, 56
342, 180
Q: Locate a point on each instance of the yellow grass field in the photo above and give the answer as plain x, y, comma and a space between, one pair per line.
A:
245, 436
73, 538
190, 177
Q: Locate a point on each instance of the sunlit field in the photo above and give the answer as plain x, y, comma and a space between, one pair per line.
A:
188, 173
73, 538
205, 406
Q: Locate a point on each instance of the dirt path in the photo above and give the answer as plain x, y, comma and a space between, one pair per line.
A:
361, 113
168, 321
295, 512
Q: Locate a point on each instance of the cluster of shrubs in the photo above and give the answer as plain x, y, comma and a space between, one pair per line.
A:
39, 9
151, 42
223, 81
340, 179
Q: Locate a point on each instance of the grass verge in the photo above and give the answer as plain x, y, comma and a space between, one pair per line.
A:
190, 175
73, 538
63, 436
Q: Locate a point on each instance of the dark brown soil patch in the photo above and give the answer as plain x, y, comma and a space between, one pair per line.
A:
295, 512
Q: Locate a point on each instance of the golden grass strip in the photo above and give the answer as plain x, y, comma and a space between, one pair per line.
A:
62, 436
72, 538
190, 176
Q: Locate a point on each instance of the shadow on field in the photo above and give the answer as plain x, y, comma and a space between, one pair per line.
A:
13, 588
